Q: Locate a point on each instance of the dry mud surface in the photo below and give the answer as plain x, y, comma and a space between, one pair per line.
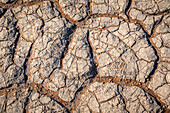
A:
85, 56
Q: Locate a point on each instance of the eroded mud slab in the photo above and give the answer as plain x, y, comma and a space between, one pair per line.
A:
91, 56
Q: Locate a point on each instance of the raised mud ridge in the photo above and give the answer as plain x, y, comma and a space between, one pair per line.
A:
85, 56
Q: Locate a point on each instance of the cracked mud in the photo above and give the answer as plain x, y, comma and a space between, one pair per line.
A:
85, 56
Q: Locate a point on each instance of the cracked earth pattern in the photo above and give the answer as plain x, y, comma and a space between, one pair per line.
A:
85, 56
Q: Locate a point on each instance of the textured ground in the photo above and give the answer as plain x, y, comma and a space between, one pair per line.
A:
85, 56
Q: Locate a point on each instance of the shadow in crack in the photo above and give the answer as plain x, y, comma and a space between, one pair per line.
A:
68, 35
